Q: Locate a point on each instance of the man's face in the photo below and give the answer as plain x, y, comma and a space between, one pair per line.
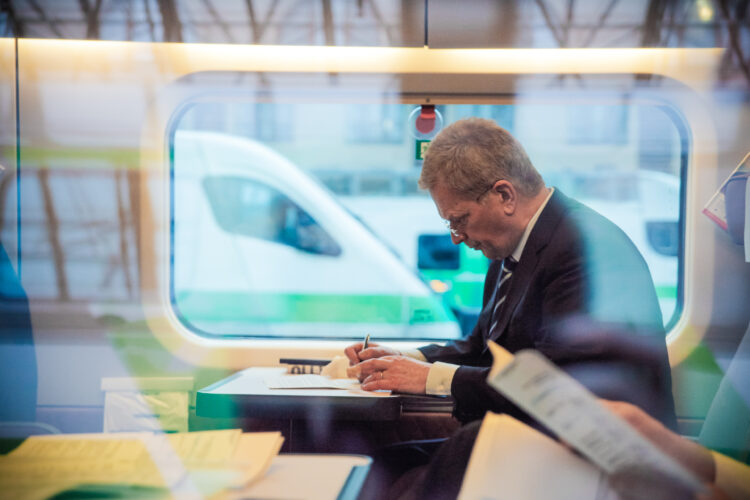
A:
486, 223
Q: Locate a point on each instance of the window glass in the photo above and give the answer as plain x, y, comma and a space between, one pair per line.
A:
376, 123
319, 229
77, 228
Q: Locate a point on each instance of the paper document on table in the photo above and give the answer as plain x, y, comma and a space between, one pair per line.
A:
243, 457
42, 466
205, 447
310, 382
197, 463
567, 408
507, 452
254, 453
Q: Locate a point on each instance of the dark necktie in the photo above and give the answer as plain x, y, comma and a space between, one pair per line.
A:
503, 285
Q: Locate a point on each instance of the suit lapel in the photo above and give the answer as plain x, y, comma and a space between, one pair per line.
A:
538, 239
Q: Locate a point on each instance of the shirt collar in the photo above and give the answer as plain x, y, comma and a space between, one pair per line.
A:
516, 255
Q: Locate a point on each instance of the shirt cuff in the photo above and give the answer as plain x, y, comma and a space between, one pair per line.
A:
414, 353
440, 378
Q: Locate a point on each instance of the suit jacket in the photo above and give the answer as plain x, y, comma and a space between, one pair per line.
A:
582, 295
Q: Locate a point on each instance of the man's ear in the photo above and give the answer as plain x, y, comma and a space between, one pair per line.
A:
507, 196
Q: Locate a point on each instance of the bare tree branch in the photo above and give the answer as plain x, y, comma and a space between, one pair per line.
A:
149, 19
217, 19
53, 234
328, 23
735, 45
379, 19
651, 35
43, 16
129, 24
568, 23
170, 20
259, 29
123, 228
92, 18
550, 24
600, 22
15, 25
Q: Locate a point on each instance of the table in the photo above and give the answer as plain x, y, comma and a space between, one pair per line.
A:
245, 393
324, 420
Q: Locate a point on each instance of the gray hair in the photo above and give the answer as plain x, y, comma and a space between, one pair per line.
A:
472, 154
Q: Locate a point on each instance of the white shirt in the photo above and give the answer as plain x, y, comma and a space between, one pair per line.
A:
440, 376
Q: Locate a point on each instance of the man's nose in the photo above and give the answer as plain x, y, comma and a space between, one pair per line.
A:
457, 239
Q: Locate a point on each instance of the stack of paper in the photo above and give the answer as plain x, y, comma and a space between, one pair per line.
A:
508, 452
185, 464
568, 409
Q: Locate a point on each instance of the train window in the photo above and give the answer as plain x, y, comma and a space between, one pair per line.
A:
376, 123
597, 124
312, 230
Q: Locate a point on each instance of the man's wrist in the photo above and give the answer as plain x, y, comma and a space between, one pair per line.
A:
413, 353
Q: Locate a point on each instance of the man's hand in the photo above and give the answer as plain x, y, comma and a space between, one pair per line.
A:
392, 373
355, 353
694, 457
640, 482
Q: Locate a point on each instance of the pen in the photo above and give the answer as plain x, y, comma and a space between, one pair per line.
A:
366, 342
304, 361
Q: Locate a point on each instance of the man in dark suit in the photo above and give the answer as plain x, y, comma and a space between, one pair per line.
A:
563, 280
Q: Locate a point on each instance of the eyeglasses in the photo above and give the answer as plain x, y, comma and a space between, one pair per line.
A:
456, 226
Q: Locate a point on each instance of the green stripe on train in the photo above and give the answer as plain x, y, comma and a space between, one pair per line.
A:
121, 157
666, 292
318, 308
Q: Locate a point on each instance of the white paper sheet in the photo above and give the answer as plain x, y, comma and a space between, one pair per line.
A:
309, 381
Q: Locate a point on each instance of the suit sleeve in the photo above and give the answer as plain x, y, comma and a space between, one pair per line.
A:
468, 350
560, 297
559, 291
